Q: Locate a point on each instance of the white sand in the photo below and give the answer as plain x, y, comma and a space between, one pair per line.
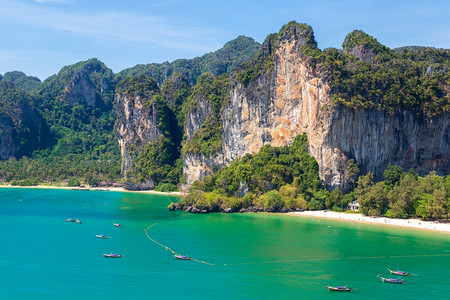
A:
112, 189
401, 223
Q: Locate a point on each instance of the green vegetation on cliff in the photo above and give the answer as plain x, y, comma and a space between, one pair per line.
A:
416, 80
274, 179
213, 92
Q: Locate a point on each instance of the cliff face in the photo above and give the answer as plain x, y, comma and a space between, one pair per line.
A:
8, 146
295, 98
136, 126
197, 165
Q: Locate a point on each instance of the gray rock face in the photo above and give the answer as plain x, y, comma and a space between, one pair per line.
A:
81, 90
136, 125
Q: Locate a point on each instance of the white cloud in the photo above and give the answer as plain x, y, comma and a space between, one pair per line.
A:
112, 25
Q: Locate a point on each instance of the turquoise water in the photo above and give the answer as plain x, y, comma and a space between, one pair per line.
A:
255, 256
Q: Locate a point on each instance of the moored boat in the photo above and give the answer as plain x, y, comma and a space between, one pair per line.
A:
117, 225
401, 273
179, 256
101, 236
392, 280
339, 288
78, 221
69, 220
113, 255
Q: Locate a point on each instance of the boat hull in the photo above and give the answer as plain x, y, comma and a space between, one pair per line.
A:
182, 257
339, 289
399, 273
112, 255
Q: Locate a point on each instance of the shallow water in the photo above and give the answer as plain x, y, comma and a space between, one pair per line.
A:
255, 256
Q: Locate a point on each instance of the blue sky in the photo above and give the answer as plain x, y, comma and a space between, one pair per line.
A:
39, 37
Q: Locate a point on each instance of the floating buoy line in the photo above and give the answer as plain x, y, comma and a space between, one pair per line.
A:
297, 260
169, 249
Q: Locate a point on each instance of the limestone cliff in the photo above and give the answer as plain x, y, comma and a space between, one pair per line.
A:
136, 126
292, 94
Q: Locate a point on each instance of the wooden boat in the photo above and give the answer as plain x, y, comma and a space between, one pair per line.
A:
339, 288
401, 273
117, 225
69, 220
179, 256
113, 255
101, 236
392, 280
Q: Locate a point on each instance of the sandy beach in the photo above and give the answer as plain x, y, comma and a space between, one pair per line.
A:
381, 221
111, 189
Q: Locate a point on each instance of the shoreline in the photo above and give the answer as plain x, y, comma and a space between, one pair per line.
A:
107, 189
338, 216
379, 221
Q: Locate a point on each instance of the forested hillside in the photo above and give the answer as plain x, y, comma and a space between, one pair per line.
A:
75, 140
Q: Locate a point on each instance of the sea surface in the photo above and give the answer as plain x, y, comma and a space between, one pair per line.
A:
235, 256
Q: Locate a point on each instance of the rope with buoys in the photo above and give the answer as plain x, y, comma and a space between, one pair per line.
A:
299, 260
167, 248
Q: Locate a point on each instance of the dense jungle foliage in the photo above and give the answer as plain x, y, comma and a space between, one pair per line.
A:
404, 195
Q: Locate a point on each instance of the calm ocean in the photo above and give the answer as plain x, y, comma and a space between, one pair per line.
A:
247, 256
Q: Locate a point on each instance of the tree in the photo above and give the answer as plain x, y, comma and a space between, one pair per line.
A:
392, 175
371, 197
402, 198
334, 199
73, 182
273, 201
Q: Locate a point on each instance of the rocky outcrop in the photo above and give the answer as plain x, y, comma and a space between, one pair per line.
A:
136, 126
295, 97
81, 90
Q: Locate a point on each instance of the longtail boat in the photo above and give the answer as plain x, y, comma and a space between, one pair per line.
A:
101, 236
339, 288
179, 256
113, 255
401, 273
117, 225
392, 280
69, 220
